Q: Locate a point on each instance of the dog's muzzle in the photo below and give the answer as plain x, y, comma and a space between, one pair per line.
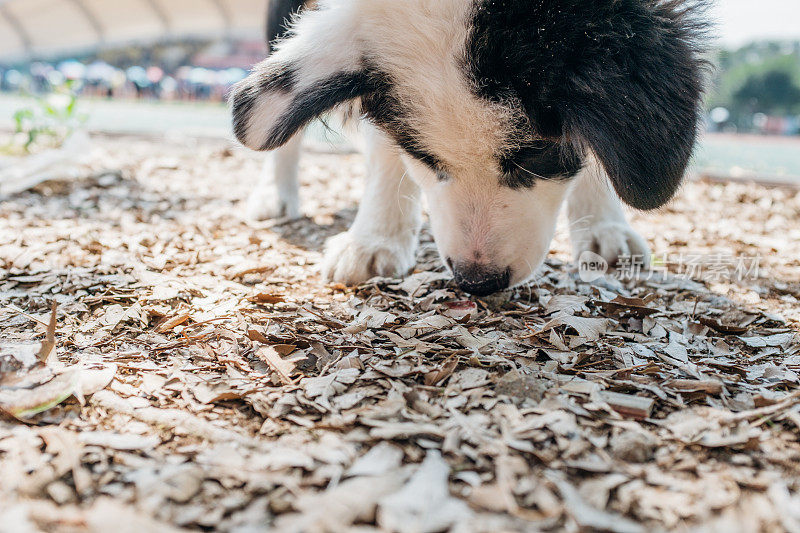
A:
480, 280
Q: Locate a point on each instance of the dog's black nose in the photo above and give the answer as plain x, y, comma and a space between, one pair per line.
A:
480, 280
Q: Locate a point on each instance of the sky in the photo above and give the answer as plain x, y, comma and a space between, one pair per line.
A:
742, 21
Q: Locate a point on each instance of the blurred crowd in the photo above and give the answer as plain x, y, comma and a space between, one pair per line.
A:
188, 72
99, 79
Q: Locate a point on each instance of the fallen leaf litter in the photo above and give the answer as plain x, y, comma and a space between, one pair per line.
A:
197, 373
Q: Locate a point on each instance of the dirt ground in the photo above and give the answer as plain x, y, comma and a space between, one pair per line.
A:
199, 374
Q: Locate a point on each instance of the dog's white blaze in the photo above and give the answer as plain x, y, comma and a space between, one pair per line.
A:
489, 224
422, 46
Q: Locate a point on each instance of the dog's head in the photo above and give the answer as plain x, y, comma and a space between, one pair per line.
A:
495, 104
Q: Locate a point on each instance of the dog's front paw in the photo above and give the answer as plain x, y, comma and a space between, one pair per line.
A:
611, 241
353, 259
269, 204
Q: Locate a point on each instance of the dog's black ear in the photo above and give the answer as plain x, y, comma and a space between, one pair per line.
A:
634, 99
317, 67
622, 78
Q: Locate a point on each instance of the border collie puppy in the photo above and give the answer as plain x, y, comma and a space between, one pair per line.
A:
499, 111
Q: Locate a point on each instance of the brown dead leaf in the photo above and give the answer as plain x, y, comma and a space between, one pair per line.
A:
267, 298
587, 516
171, 323
266, 269
49, 343
628, 306
424, 504
695, 385
441, 374
637, 407
257, 336
219, 392
635, 302
48, 390
284, 369
727, 329
588, 329
568, 304
461, 311
285, 349
24, 404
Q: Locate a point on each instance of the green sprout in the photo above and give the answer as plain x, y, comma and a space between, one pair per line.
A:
48, 121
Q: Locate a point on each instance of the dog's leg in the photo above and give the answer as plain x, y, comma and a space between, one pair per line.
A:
278, 192
384, 237
597, 221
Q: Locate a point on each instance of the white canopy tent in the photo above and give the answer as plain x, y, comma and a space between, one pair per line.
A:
44, 28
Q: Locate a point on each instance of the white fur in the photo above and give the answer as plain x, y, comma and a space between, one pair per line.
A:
419, 43
325, 44
475, 219
277, 194
422, 45
597, 221
384, 237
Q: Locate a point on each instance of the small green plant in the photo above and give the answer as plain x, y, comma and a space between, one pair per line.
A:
48, 121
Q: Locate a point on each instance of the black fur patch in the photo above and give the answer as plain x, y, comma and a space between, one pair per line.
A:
312, 102
540, 160
244, 95
621, 77
383, 108
279, 16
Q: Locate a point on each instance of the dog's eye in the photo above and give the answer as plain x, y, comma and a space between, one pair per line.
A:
540, 161
442, 176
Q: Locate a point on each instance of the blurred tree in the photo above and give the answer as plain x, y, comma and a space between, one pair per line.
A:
762, 77
773, 92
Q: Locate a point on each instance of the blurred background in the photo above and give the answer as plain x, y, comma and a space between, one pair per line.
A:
155, 67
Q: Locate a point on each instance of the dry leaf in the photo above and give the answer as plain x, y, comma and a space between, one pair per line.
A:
461, 311
695, 385
442, 373
380, 460
588, 329
49, 344
628, 405
337, 509
589, 517
424, 505
568, 304
267, 298
284, 369
119, 441
24, 404
172, 323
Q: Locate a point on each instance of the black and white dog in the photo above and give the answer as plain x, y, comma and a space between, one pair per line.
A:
497, 110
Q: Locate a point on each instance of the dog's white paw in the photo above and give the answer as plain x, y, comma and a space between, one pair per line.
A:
268, 204
612, 241
353, 259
